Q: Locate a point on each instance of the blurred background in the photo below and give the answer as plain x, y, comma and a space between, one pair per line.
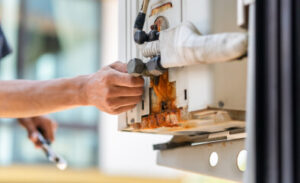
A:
65, 38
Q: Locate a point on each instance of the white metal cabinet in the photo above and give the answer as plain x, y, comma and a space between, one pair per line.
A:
200, 87
209, 88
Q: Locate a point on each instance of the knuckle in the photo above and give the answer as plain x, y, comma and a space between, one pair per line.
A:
105, 93
117, 62
114, 112
109, 102
141, 79
131, 80
106, 79
140, 91
110, 90
105, 68
111, 111
138, 99
131, 107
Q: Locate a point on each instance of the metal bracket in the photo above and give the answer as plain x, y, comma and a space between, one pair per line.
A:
201, 138
197, 159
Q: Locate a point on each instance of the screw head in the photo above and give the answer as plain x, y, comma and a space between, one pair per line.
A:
153, 35
140, 37
221, 104
132, 120
135, 66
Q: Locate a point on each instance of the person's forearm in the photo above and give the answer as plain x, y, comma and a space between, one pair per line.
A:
111, 90
22, 98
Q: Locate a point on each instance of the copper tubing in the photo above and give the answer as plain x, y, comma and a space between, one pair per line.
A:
145, 6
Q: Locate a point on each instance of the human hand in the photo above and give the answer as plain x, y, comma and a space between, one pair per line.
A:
36, 125
113, 90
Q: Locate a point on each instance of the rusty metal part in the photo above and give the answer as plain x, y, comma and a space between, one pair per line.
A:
161, 8
164, 93
164, 119
165, 116
163, 109
161, 23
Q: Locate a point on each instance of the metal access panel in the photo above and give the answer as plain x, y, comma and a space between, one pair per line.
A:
200, 98
200, 159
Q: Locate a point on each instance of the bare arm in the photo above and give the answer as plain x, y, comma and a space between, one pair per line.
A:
21, 98
111, 90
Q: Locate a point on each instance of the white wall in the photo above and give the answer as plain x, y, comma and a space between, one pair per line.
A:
124, 153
